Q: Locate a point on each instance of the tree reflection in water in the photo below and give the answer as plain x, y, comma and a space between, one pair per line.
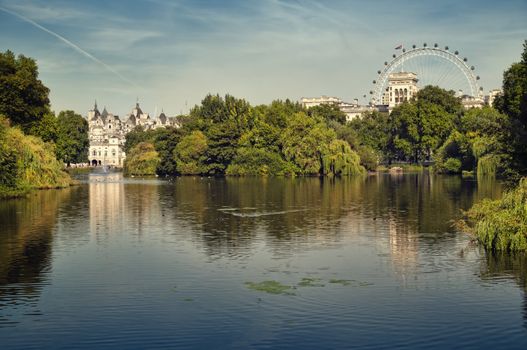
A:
512, 266
26, 238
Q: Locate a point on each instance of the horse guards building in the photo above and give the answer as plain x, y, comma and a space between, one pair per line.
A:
107, 133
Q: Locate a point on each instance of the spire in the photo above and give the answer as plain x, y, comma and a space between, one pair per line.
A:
95, 105
137, 102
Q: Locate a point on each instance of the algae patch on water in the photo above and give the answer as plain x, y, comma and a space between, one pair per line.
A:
271, 287
352, 283
310, 282
341, 282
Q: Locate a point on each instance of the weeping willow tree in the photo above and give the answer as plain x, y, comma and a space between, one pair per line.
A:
338, 159
26, 162
500, 225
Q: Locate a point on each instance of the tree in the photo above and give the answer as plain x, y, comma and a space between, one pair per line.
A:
304, 141
142, 160
327, 113
23, 97
339, 159
190, 154
513, 103
72, 138
46, 128
446, 99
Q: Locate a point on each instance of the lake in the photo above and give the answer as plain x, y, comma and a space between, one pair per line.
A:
178, 263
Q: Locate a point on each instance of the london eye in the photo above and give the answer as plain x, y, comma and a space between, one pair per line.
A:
433, 65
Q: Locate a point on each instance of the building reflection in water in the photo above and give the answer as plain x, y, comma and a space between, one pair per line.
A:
118, 205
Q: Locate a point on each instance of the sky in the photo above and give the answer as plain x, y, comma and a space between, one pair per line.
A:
169, 54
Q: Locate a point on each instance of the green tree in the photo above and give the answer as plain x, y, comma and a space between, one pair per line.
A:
445, 99
513, 103
340, 160
23, 97
72, 141
190, 154
47, 128
142, 160
304, 141
134, 137
328, 113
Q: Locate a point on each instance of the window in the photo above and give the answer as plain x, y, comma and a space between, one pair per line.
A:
94, 152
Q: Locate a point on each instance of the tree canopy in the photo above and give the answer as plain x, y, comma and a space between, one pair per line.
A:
72, 138
23, 97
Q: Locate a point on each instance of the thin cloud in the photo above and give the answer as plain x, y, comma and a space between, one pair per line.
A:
70, 44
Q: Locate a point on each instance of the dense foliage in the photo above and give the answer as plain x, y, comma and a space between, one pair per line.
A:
23, 97
142, 160
500, 224
31, 136
513, 103
72, 138
26, 162
228, 136
499, 143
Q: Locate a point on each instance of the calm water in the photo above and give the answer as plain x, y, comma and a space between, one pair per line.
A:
163, 264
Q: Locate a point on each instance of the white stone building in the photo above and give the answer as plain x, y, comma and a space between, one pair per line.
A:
308, 102
402, 86
107, 133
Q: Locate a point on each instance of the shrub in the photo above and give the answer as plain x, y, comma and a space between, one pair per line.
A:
500, 225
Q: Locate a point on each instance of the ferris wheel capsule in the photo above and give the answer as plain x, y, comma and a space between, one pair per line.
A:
413, 46
477, 78
465, 59
378, 72
472, 68
375, 81
424, 45
394, 55
446, 48
456, 53
435, 45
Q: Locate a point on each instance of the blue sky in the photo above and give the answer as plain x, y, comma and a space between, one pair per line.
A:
170, 54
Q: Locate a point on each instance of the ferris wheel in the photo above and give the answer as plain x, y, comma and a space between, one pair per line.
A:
433, 66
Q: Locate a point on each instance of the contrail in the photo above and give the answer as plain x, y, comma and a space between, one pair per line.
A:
69, 43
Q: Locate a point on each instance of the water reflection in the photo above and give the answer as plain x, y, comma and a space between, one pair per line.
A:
26, 239
499, 266
117, 247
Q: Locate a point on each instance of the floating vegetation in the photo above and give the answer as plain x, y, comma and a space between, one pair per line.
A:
341, 282
271, 287
310, 282
352, 283
274, 287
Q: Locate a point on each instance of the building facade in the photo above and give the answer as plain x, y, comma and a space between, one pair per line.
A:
107, 133
402, 86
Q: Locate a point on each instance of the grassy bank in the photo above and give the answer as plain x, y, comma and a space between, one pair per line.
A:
27, 163
500, 225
